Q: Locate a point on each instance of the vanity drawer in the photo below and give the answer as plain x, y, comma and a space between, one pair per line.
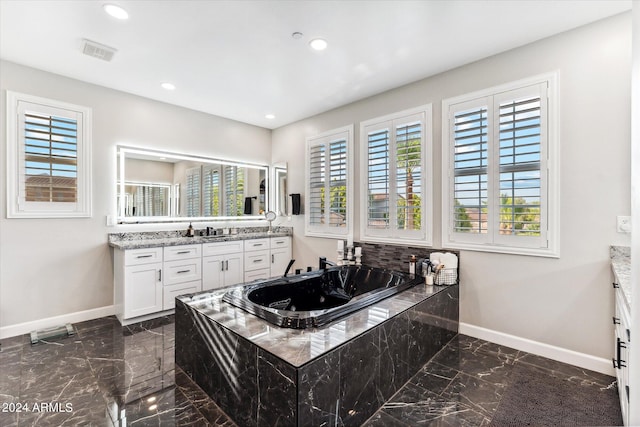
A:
182, 252
250, 276
142, 256
222, 248
280, 242
181, 271
256, 245
257, 260
172, 291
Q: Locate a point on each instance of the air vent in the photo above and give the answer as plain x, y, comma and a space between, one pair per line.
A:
98, 50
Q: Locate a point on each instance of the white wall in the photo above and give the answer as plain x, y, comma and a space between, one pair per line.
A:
53, 267
565, 302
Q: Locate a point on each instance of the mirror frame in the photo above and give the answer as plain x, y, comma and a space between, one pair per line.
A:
122, 150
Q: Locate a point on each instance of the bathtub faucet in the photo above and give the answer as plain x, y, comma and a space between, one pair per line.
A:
323, 263
286, 271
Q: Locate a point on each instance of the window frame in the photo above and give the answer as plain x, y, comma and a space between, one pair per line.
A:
17, 206
393, 235
549, 241
326, 230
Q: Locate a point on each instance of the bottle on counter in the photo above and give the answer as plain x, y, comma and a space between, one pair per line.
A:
190, 231
412, 265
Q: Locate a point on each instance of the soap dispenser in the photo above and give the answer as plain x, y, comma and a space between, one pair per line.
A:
190, 231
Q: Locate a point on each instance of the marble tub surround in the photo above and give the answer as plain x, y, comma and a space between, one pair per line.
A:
341, 374
621, 265
147, 239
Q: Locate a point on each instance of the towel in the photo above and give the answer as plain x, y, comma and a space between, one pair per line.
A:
295, 203
247, 205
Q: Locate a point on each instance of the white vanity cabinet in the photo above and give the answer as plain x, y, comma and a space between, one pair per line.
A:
622, 347
222, 264
148, 280
182, 272
265, 258
138, 282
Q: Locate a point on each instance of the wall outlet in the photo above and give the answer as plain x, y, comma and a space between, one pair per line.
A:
111, 220
623, 224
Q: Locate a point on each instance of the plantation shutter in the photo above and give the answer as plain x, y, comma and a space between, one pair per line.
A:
234, 190
520, 127
470, 169
328, 198
498, 176
192, 196
394, 156
211, 191
316, 184
378, 188
338, 183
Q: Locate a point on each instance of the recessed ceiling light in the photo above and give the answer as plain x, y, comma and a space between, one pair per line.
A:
318, 44
116, 11
168, 86
270, 116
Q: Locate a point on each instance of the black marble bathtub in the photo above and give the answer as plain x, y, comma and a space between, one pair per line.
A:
320, 297
340, 374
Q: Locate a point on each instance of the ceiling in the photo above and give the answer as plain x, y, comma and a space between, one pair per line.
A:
238, 59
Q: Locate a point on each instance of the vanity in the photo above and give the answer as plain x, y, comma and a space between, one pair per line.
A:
151, 269
621, 266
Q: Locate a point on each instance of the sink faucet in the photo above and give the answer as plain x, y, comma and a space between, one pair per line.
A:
323, 263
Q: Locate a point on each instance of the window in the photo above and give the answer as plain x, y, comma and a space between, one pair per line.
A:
396, 203
329, 200
48, 158
499, 187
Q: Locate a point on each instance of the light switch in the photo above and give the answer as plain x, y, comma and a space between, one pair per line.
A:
624, 224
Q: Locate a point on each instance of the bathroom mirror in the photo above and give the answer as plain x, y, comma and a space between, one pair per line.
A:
280, 189
163, 186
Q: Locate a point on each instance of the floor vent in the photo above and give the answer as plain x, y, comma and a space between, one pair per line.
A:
61, 331
98, 50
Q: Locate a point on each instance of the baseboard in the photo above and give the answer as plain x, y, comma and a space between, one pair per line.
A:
78, 316
564, 355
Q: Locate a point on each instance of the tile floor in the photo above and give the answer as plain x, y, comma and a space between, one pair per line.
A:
107, 375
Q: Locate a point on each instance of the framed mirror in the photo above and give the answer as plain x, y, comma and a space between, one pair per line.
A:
164, 186
280, 190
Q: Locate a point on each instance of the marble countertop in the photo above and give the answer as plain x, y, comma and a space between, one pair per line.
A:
621, 265
120, 241
299, 346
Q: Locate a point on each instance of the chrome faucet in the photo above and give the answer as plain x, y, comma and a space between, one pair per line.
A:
323, 263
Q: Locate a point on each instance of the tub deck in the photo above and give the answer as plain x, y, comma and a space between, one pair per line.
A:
340, 374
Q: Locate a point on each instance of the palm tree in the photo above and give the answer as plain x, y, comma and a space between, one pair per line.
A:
409, 158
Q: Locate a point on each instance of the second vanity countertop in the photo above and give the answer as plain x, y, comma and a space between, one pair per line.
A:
621, 266
127, 241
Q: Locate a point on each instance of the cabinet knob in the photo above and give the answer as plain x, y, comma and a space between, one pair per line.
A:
616, 321
615, 285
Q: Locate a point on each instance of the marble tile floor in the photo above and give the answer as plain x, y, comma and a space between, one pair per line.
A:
109, 375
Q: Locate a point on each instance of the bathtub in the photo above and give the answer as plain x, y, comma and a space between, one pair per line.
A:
317, 298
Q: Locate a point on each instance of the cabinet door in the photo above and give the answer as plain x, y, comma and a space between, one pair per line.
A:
172, 291
142, 289
213, 269
234, 272
279, 260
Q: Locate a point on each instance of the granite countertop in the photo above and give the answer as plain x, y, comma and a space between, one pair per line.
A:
621, 266
299, 346
126, 241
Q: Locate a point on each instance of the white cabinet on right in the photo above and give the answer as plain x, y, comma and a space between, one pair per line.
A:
622, 322
222, 264
265, 258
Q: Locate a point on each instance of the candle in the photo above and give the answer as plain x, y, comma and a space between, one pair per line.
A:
340, 246
358, 251
349, 241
